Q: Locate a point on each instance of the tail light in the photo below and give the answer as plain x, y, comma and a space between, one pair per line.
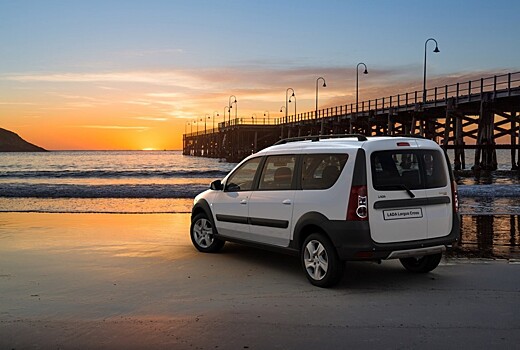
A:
358, 204
455, 196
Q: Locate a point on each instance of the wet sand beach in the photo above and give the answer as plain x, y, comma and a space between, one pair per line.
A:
77, 281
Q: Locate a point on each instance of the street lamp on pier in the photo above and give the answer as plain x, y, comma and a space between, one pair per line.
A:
208, 117
281, 110
316, 112
286, 100
214, 119
436, 50
225, 115
290, 100
267, 116
357, 90
231, 106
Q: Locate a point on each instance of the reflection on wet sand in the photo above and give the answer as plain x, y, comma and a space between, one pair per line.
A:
490, 236
139, 235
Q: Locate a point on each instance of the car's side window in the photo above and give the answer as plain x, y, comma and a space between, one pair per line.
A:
277, 173
242, 179
321, 171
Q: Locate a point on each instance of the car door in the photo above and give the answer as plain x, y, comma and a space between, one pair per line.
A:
438, 190
271, 205
231, 205
398, 201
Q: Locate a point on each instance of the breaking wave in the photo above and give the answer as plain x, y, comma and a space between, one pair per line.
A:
110, 174
100, 191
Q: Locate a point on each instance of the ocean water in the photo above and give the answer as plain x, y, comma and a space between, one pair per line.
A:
104, 181
150, 182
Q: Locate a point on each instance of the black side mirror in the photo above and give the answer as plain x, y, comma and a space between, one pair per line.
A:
216, 185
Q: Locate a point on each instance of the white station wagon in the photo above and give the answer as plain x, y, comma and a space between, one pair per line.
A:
335, 198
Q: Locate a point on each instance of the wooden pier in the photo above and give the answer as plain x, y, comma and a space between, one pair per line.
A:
480, 115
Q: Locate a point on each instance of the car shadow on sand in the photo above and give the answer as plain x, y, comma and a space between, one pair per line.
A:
360, 275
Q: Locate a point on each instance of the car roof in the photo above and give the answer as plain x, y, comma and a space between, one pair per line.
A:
342, 144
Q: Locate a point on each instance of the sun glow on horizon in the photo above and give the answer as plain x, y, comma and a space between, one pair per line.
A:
141, 87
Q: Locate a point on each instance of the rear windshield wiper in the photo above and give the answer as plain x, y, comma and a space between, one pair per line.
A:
410, 193
400, 186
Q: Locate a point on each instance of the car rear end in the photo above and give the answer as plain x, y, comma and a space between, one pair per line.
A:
402, 203
412, 199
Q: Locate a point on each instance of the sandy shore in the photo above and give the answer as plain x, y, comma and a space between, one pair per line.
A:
74, 281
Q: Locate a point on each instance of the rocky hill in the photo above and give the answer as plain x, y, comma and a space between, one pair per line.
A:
11, 142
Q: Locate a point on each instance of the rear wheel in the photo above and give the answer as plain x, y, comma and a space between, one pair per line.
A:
320, 261
422, 264
203, 235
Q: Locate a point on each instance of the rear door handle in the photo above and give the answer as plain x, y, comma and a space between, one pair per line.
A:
243, 201
287, 202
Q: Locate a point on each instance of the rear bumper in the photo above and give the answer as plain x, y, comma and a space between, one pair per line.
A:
408, 253
353, 242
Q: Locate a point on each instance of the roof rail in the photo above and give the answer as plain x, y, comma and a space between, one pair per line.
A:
315, 138
415, 136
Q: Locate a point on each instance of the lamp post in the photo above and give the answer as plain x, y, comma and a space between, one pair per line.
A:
236, 110
214, 119
316, 112
225, 115
267, 116
294, 104
286, 100
436, 50
281, 110
231, 106
208, 117
357, 91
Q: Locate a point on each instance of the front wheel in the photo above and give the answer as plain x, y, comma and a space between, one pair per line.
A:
320, 261
421, 264
203, 236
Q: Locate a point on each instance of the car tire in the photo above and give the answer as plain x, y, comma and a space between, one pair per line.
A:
421, 264
320, 261
202, 233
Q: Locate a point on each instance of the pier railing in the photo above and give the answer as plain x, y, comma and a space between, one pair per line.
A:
499, 85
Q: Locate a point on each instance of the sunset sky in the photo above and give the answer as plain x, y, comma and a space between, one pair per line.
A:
131, 74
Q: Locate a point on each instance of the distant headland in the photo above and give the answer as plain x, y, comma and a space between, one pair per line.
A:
11, 142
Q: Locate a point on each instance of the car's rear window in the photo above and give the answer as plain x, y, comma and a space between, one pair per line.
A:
414, 169
321, 171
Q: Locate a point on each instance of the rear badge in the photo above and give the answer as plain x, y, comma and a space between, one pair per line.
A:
399, 214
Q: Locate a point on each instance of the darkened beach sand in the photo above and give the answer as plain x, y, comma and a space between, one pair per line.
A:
135, 281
